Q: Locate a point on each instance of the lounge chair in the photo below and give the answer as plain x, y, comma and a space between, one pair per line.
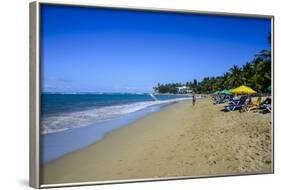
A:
254, 105
215, 99
237, 101
221, 100
266, 104
267, 107
241, 104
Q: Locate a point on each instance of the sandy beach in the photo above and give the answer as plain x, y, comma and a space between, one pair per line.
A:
180, 140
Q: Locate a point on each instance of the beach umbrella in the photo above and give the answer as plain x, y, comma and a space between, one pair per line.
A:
243, 90
225, 91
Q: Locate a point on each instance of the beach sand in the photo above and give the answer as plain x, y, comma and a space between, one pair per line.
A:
180, 140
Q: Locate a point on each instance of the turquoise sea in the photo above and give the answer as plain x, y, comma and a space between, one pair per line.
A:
72, 121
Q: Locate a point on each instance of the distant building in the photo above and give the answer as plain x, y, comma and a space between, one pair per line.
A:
183, 90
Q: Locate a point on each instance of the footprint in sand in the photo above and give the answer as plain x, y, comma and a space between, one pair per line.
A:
267, 136
242, 168
266, 131
214, 154
212, 162
248, 159
252, 158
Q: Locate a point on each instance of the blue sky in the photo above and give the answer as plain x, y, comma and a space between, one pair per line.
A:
106, 50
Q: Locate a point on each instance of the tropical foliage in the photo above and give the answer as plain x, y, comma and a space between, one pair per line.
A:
167, 88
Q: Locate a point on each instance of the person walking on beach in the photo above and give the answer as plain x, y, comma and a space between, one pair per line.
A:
193, 99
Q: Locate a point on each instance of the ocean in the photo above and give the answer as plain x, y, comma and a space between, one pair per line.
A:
72, 121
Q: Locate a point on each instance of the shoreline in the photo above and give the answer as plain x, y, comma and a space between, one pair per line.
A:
179, 140
67, 141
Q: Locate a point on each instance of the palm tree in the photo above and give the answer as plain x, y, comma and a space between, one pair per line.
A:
264, 73
235, 78
247, 73
225, 83
264, 54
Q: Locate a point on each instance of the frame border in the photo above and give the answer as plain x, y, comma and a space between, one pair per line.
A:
35, 88
34, 96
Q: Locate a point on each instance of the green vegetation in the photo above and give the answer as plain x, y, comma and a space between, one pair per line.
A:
167, 88
255, 74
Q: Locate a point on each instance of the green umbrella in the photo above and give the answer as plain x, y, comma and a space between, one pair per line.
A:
217, 92
225, 91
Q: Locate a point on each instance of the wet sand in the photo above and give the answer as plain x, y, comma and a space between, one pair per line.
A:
180, 140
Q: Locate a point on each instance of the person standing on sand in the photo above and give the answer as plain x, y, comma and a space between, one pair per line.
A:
193, 99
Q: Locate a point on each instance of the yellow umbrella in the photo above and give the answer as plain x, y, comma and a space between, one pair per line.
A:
243, 90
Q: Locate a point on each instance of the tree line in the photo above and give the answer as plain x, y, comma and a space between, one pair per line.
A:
255, 74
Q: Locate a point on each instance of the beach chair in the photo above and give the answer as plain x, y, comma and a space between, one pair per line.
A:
254, 105
220, 100
267, 107
214, 100
241, 104
236, 102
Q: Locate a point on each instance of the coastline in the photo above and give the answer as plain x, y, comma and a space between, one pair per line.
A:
58, 144
179, 140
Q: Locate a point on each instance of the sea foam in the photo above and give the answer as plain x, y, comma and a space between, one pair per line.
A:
64, 121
